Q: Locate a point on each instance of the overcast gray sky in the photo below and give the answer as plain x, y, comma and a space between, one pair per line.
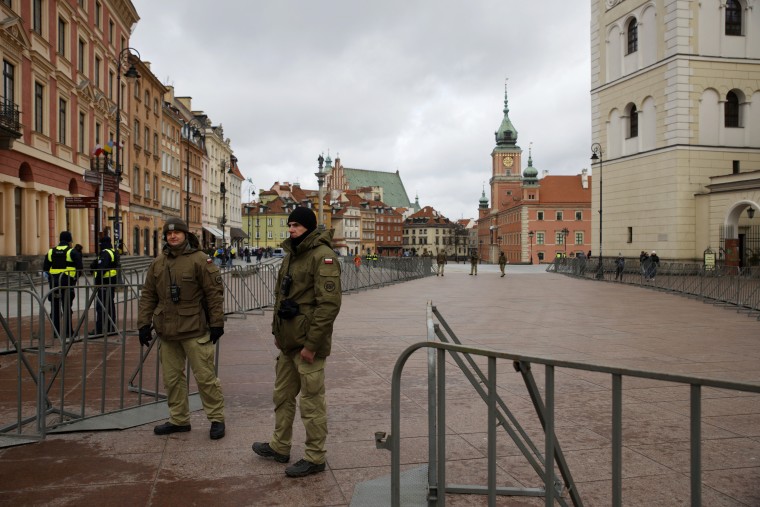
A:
413, 86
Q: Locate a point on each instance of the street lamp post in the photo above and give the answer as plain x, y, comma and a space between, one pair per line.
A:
530, 236
125, 56
565, 232
321, 181
193, 132
251, 192
596, 150
263, 209
223, 191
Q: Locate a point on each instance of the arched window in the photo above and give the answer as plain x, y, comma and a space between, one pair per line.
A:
633, 36
732, 110
733, 17
633, 121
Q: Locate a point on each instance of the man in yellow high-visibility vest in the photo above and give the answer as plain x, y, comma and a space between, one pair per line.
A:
63, 263
105, 277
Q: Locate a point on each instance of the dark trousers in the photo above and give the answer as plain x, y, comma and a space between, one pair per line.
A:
61, 301
105, 308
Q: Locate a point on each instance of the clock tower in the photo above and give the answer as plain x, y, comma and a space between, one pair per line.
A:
505, 160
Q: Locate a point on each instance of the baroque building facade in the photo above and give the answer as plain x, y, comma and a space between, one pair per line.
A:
675, 99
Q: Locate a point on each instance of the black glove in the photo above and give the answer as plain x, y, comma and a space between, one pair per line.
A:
145, 335
216, 333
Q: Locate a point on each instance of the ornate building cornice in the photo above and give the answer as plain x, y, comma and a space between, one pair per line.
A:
613, 3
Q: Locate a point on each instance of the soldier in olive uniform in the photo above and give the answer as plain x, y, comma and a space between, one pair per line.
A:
441, 261
183, 297
307, 303
474, 263
502, 263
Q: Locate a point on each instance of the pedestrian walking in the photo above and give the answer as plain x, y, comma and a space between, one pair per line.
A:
441, 261
619, 267
306, 305
502, 263
183, 300
63, 263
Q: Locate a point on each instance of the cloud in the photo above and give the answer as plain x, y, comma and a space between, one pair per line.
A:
395, 85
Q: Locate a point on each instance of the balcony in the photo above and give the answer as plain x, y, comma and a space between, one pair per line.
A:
10, 126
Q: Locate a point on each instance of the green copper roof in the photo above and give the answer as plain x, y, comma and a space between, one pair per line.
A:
483, 200
394, 193
530, 174
507, 133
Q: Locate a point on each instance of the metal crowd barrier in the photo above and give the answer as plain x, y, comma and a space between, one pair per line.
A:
443, 344
67, 381
730, 286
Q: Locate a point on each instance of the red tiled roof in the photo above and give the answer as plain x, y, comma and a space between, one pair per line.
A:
560, 189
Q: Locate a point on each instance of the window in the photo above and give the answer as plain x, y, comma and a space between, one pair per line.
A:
96, 73
735, 167
37, 16
559, 238
630, 235
155, 107
110, 84
155, 187
579, 215
80, 134
97, 132
9, 80
39, 103
579, 238
81, 55
732, 110
633, 121
147, 185
540, 215
110, 31
155, 144
62, 107
61, 36
146, 139
98, 13
137, 133
559, 216
136, 181
733, 17
540, 238
633, 36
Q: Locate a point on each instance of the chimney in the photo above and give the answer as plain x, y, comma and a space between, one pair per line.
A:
584, 178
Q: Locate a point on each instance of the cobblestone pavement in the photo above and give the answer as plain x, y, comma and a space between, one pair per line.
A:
528, 312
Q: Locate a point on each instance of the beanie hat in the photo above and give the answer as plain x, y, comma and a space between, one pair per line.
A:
65, 237
105, 242
305, 217
175, 224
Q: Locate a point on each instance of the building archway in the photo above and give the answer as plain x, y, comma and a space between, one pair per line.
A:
740, 240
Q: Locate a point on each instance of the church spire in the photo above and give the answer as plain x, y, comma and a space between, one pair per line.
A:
507, 134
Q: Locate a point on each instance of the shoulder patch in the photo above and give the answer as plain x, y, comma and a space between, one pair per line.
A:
209, 260
329, 286
218, 279
327, 260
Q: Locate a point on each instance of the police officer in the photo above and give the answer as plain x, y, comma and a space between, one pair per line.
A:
105, 276
306, 305
63, 264
183, 297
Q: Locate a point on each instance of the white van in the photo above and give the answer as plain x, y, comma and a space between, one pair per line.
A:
278, 252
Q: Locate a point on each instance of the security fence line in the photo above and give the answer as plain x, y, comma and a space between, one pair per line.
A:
722, 285
69, 374
442, 345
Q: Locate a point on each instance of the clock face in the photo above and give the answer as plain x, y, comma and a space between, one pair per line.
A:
508, 161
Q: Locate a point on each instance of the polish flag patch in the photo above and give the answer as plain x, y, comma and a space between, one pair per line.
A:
328, 261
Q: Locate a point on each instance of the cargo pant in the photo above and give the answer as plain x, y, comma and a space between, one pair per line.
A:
200, 352
294, 375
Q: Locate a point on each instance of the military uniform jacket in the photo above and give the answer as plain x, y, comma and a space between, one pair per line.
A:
441, 258
315, 271
201, 298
